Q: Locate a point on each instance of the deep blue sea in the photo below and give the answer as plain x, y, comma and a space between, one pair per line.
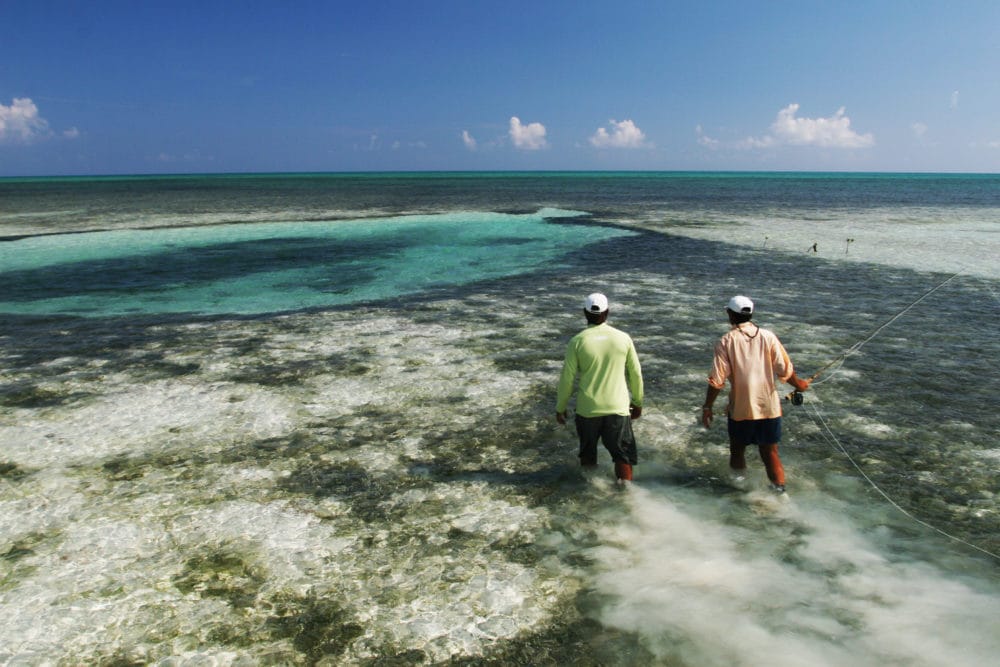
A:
307, 419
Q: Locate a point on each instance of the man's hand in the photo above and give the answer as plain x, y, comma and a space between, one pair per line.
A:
798, 383
634, 411
706, 416
711, 393
561, 417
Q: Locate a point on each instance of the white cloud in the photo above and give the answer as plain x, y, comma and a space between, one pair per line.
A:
374, 144
954, 100
832, 132
530, 137
757, 142
623, 135
468, 140
790, 130
706, 140
71, 133
919, 129
20, 121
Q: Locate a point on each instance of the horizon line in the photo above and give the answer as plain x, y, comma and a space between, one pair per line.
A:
416, 172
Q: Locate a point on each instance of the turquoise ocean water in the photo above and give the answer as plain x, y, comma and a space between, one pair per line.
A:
306, 419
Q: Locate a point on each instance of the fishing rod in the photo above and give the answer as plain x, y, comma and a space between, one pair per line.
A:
796, 397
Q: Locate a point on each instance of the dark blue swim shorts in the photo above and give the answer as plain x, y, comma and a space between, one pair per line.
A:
755, 431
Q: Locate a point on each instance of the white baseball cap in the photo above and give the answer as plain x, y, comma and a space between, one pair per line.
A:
596, 303
740, 304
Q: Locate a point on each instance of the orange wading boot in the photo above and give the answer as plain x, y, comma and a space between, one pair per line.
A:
623, 471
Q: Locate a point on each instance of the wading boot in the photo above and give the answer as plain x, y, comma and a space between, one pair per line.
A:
623, 471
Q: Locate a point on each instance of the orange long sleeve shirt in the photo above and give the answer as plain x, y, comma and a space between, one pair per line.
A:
750, 358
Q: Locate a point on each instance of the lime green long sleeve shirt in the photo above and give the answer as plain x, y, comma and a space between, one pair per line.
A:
609, 370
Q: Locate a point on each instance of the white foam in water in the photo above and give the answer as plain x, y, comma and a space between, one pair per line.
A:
702, 592
147, 417
118, 573
869, 427
113, 563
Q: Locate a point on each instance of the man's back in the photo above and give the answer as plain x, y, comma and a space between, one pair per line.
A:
608, 366
750, 358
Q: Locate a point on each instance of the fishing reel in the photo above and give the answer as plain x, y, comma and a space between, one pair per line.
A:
795, 397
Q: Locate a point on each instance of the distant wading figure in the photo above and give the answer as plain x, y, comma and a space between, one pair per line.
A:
609, 371
749, 358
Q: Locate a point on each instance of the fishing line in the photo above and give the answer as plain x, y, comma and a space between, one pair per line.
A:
830, 436
989, 286
830, 375
796, 396
857, 346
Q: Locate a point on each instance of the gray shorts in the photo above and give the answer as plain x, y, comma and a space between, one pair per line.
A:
614, 432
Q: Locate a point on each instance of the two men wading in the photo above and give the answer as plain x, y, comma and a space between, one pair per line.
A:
610, 390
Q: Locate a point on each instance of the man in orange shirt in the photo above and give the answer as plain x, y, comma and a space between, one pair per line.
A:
750, 358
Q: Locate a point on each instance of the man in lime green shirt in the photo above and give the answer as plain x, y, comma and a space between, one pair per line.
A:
608, 367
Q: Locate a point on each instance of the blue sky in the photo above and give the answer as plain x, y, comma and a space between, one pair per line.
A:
166, 87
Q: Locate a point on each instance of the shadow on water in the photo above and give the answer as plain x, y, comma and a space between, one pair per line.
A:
671, 256
343, 261
692, 278
682, 283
